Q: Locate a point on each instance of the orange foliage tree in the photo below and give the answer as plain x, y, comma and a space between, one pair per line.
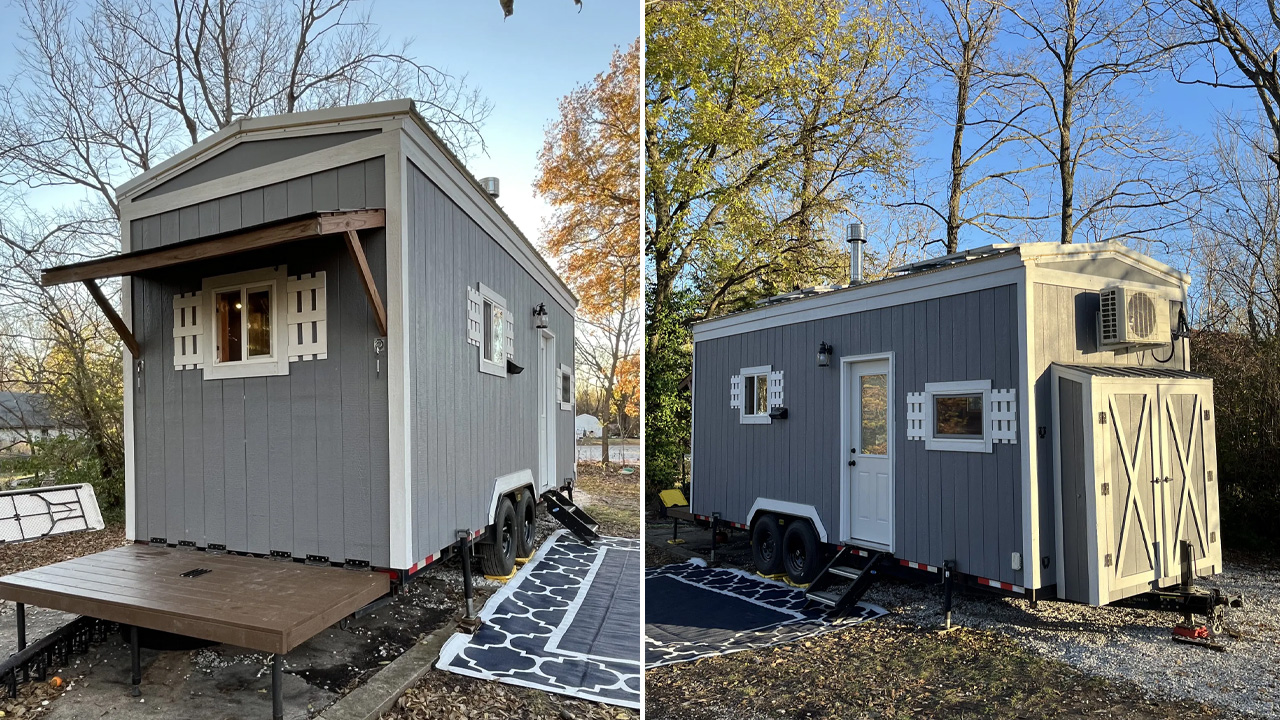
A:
589, 171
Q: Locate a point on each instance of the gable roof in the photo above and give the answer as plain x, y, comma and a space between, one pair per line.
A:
24, 411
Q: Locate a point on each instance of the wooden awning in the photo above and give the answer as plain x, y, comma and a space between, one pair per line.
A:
314, 225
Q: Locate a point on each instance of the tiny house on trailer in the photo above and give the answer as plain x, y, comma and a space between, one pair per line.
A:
1023, 416
340, 348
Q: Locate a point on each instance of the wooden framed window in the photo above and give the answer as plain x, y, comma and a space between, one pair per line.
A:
246, 333
566, 387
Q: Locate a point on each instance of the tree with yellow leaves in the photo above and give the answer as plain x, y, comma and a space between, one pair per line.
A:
589, 171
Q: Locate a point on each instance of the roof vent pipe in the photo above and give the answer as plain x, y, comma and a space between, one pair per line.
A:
857, 237
490, 185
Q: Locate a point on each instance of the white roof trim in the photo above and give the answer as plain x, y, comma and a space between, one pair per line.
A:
210, 146
967, 276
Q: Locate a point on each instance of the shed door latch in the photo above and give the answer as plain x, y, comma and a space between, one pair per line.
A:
378, 346
1102, 418
1106, 488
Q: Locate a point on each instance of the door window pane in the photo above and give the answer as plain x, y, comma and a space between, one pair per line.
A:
229, 312
957, 416
258, 317
875, 414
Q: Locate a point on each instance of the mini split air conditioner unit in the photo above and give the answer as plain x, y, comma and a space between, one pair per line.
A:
1130, 319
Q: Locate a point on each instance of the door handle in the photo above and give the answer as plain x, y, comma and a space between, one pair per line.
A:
852, 463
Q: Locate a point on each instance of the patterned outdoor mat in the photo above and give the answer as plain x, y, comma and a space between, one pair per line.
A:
568, 623
693, 611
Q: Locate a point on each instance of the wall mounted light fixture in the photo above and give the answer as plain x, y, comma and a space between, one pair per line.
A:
540, 316
824, 355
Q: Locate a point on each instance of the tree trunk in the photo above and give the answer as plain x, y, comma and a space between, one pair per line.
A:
1066, 167
957, 152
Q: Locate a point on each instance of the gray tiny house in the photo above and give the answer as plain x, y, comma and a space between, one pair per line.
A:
1022, 414
340, 348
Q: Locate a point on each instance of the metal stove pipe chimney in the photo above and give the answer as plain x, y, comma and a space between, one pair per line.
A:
856, 237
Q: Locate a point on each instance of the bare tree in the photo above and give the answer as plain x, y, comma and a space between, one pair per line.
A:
1248, 33
989, 109
1117, 168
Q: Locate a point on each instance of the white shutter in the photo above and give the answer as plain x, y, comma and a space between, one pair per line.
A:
306, 317
188, 331
475, 324
1004, 416
510, 334
917, 415
735, 392
775, 389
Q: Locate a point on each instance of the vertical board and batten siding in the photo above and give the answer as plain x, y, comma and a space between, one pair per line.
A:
948, 505
468, 427
1064, 329
298, 462
1075, 515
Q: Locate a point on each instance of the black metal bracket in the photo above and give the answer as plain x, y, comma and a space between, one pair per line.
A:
197, 572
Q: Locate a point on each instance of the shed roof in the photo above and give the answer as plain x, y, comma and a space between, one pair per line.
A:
1130, 371
24, 411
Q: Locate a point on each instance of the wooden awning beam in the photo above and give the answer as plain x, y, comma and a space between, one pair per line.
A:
366, 279
264, 236
113, 317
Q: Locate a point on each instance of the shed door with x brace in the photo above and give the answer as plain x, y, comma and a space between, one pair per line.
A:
1155, 456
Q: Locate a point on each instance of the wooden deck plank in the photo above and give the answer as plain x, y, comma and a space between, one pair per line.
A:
260, 604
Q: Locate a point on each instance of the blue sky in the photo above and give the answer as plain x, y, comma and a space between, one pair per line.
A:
523, 64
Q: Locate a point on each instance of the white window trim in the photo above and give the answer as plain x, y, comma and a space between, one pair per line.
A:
278, 363
565, 371
497, 368
745, 418
962, 387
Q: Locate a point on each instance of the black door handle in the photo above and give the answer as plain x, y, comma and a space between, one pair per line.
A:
852, 463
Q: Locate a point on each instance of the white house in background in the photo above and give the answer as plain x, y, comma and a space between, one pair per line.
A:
587, 426
25, 417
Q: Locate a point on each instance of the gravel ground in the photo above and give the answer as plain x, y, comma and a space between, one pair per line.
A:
1133, 644
1117, 643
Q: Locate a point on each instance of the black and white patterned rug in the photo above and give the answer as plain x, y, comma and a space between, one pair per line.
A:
568, 623
693, 611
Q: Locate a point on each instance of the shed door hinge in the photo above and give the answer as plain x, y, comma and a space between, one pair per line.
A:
1106, 488
1107, 560
1102, 418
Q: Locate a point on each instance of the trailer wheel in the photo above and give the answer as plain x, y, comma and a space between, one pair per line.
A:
766, 545
526, 524
801, 552
498, 557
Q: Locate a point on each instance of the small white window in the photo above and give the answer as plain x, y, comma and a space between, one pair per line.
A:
491, 328
956, 416
754, 409
246, 335
566, 387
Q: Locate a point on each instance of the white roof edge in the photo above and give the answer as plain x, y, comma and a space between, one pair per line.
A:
195, 153
1037, 250
1000, 259
208, 147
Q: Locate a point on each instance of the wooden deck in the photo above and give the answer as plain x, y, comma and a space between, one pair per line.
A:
265, 605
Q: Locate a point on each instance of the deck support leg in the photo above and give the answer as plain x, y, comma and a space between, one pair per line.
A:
136, 654
21, 610
277, 692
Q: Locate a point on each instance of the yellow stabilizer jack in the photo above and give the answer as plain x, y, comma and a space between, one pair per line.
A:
501, 578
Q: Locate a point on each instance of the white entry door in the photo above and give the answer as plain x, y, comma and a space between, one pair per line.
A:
868, 471
548, 378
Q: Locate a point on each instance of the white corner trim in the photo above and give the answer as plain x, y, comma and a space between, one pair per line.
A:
399, 367
1030, 443
786, 507
505, 484
128, 369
